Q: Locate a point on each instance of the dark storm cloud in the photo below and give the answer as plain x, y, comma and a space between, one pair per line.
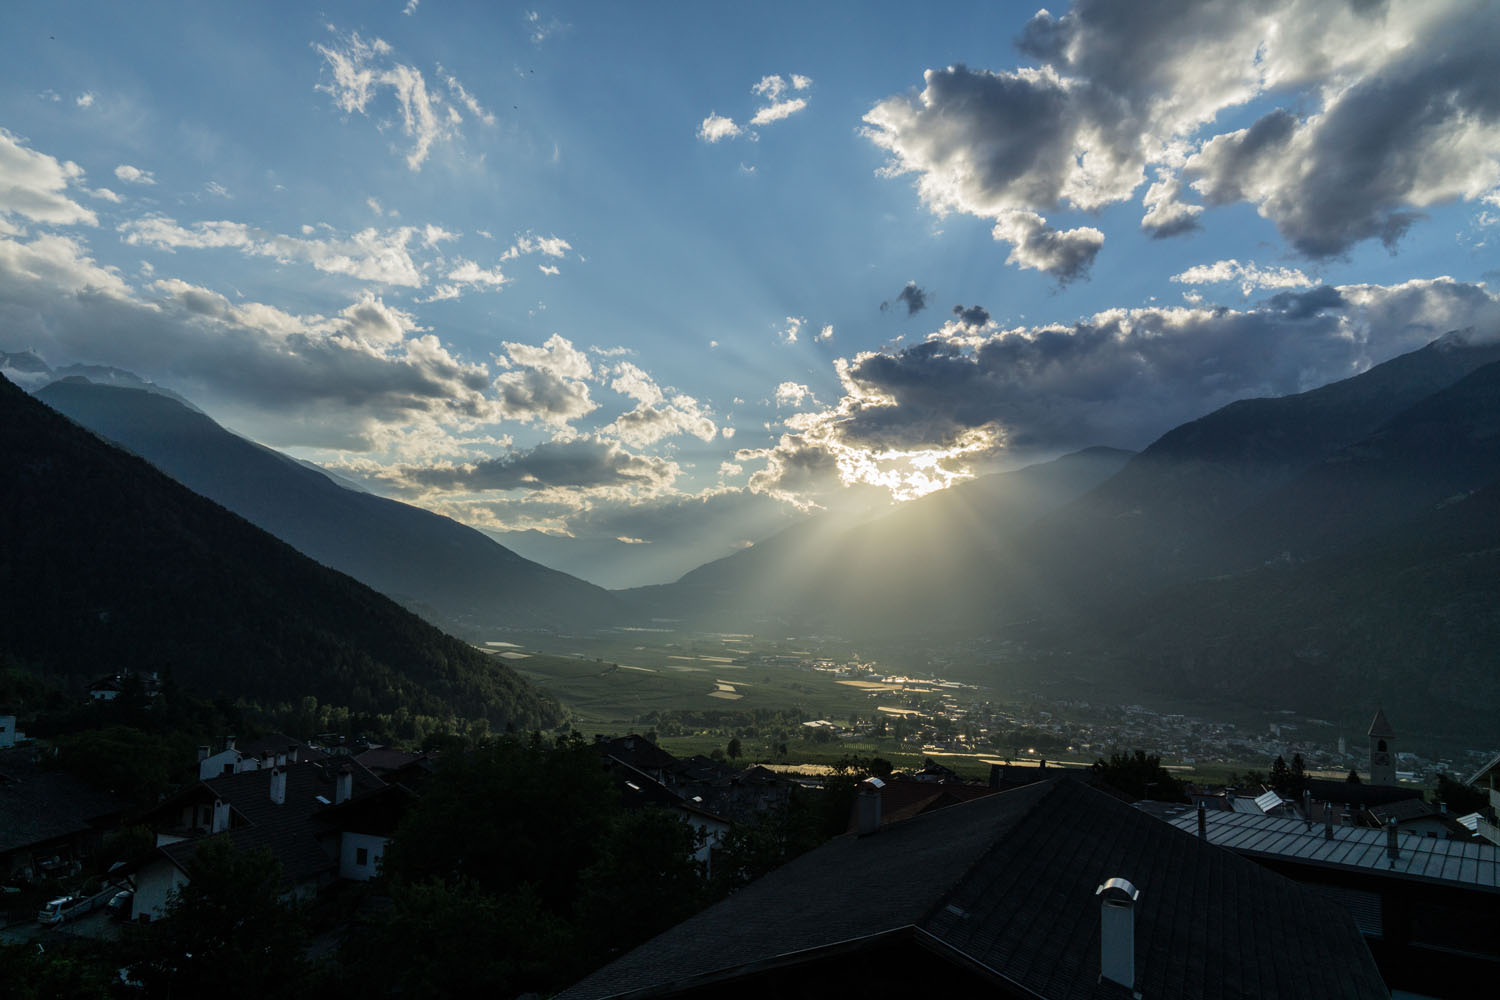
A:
913, 297
1125, 376
577, 464
972, 316
1383, 111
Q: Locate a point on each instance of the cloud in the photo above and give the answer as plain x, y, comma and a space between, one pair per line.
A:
353, 379
547, 384
1250, 276
369, 255
825, 334
134, 175
916, 419
411, 7
914, 298
716, 127
547, 246
1166, 213
33, 186
356, 71
1363, 96
973, 316
649, 423
770, 89
776, 112
792, 394
85, 99
579, 464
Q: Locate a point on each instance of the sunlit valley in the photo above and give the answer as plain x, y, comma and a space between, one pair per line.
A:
973, 512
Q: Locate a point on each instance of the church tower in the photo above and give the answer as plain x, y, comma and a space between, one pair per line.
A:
1382, 752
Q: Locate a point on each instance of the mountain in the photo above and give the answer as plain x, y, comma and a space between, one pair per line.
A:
1167, 516
906, 570
106, 564
451, 573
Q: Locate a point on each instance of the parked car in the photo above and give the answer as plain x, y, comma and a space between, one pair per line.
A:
119, 904
62, 909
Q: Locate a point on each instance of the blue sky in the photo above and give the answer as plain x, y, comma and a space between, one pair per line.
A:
657, 279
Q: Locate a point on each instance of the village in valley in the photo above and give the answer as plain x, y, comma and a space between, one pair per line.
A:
1355, 813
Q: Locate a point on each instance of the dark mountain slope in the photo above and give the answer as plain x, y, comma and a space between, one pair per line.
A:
1408, 617
1436, 452
107, 564
1160, 519
446, 569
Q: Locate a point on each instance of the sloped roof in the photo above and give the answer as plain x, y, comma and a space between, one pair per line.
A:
1007, 882
1430, 859
38, 804
290, 830
1380, 725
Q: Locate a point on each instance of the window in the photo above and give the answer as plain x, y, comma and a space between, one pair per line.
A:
361, 856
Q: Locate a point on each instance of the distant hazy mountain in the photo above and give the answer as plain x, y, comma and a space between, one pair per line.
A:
107, 564
449, 572
906, 571
1167, 516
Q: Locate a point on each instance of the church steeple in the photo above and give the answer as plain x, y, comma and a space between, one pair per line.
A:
1382, 753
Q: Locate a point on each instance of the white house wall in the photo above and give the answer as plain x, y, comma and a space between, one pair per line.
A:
349, 845
152, 884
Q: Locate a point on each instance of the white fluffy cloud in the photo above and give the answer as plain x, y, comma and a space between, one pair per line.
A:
1250, 276
770, 89
716, 127
134, 175
34, 186
1119, 89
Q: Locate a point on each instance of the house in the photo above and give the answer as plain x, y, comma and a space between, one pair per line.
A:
638, 790
275, 750
49, 820
1428, 906
1487, 778
1050, 890
9, 734
283, 808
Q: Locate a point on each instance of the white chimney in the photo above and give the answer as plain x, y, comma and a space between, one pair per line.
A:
221, 817
343, 785
867, 805
202, 754
281, 759
278, 786
1117, 931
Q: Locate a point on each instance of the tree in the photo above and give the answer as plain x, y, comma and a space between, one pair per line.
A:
1460, 798
1281, 776
227, 933
734, 748
1353, 778
1300, 779
1139, 775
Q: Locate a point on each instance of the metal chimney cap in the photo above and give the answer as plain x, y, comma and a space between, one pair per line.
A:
1121, 886
873, 783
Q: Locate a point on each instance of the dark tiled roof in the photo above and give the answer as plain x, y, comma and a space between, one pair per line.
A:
1380, 725
1008, 881
290, 830
38, 805
638, 752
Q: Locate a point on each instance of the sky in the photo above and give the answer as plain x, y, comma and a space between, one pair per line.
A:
656, 280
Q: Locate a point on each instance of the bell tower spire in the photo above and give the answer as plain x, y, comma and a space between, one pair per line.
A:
1382, 752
